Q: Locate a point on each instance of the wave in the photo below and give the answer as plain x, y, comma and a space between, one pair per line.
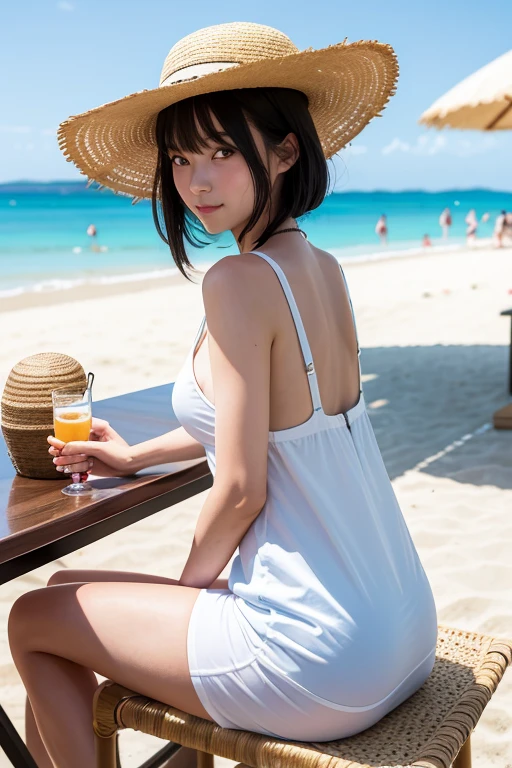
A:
342, 255
63, 284
382, 255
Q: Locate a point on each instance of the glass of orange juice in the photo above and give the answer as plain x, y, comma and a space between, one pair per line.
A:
72, 420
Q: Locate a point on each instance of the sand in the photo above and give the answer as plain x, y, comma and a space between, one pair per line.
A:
434, 359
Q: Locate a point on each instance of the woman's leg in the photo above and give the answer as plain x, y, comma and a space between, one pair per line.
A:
133, 633
184, 758
72, 576
187, 757
33, 739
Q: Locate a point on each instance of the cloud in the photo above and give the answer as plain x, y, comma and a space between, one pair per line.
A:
358, 149
425, 145
15, 128
468, 147
65, 6
48, 132
397, 145
428, 144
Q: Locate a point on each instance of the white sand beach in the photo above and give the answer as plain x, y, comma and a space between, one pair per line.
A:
435, 362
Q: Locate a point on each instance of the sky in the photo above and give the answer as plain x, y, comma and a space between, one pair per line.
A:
63, 57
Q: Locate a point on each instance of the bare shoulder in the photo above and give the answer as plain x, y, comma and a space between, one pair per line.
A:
244, 273
233, 270
240, 285
324, 257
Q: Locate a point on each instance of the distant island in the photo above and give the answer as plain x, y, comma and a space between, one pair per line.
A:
72, 186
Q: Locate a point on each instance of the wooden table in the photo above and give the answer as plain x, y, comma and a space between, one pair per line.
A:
39, 524
509, 313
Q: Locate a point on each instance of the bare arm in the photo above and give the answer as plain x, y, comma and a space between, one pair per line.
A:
177, 445
239, 343
221, 526
114, 457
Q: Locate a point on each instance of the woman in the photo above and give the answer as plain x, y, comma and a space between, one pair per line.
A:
381, 229
499, 229
445, 222
472, 226
326, 621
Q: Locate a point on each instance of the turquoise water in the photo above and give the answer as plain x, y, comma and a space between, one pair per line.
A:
44, 245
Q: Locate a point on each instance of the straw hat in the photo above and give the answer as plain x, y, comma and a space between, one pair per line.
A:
346, 84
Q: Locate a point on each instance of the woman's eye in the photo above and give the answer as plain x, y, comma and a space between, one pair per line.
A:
177, 160
224, 153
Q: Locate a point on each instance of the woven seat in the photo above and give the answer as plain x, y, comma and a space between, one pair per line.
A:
431, 729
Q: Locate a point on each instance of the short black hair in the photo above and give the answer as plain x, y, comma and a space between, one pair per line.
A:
274, 112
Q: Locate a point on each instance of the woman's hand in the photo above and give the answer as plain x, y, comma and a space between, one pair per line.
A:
105, 454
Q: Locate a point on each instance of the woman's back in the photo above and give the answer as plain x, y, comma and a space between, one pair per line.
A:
327, 574
317, 284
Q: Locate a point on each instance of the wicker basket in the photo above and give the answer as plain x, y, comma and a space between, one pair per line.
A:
27, 411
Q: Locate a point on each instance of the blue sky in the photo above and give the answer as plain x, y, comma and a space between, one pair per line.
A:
62, 57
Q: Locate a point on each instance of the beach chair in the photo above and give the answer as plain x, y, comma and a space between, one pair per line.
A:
508, 313
431, 729
502, 418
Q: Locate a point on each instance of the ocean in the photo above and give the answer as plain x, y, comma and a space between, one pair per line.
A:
44, 244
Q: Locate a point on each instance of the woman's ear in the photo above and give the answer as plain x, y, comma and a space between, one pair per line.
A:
287, 153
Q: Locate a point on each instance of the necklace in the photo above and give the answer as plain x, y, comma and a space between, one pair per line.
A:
290, 229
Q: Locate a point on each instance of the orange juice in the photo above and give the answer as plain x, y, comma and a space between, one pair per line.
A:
72, 425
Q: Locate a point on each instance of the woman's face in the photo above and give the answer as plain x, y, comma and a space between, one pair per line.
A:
216, 184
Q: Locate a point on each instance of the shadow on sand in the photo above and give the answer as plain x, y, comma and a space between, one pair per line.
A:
424, 399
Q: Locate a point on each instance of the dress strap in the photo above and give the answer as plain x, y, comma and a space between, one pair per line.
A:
355, 326
299, 326
199, 334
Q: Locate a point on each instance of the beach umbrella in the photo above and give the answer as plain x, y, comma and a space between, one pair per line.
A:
483, 101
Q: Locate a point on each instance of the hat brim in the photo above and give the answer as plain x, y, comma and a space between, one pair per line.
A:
346, 85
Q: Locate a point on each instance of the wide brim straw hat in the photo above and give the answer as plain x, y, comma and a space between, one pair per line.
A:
347, 84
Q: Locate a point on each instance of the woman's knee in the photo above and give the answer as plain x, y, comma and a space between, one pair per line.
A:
70, 576
21, 617
59, 577
74, 576
78, 576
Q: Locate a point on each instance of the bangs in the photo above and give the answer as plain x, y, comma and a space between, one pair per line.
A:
190, 127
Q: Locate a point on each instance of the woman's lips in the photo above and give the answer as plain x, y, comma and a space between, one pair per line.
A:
208, 208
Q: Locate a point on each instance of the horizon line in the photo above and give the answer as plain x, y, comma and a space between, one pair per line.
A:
80, 182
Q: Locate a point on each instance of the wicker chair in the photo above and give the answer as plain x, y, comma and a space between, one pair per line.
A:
431, 729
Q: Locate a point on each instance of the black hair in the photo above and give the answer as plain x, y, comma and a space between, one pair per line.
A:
274, 112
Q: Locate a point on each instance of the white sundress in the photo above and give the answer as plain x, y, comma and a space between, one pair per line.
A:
329, 621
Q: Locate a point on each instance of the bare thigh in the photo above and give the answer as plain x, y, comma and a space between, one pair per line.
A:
71, 576
134, 633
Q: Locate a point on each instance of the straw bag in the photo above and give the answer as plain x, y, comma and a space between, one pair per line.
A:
27, 411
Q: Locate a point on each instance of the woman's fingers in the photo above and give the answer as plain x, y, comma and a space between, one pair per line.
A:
76, 462
99, 423
99, 429
77, 458
72, 469
59, 448
70, 464
79, 446
73, 447
54, 442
